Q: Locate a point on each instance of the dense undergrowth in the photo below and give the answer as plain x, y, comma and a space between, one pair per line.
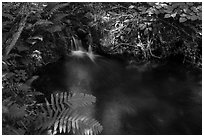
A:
35, 34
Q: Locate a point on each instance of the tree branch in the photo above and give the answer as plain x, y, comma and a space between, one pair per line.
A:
16, 36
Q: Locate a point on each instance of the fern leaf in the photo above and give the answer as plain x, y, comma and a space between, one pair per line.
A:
83, 125
9, 16
43, 23
64, 125
60, 119
69, 126
81, 99
65, 114
48, 108
57, 7
56, 126
65, 122
57, 102
61, 100
52, 120
52, 102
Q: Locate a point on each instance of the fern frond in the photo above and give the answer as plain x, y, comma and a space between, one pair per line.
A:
59, 17
77, 124
57, 7
9, 16
43, 23
64, 114
81, 99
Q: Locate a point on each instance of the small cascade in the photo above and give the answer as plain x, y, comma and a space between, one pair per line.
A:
78, 50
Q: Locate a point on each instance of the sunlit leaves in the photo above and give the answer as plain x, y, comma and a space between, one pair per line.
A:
167, 16
161, 19
192, 11
193, 17
42, 22
182, 19
142, 26
131, 7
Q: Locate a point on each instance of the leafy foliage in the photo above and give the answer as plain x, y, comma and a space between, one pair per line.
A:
18, 97
147, 31
37, 33
17, 107
65, 114
152, 30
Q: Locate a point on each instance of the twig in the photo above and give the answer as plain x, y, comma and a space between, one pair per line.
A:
149, 42
150, 51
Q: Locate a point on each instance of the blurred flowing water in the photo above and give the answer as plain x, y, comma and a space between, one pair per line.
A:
131, 99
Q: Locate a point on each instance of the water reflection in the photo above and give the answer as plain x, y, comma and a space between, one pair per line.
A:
131, 99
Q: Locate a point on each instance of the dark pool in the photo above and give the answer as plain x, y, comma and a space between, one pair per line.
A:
134, 99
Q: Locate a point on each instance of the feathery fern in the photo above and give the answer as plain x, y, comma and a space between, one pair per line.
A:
66, 113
